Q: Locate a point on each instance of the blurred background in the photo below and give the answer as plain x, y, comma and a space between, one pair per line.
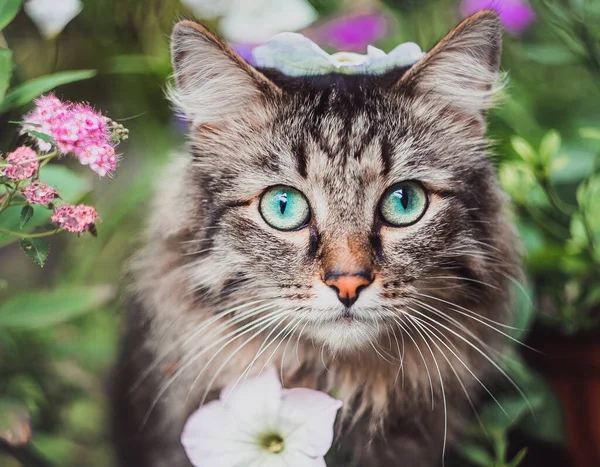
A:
59, 326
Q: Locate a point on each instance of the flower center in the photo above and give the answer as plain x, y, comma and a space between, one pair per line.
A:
272, 442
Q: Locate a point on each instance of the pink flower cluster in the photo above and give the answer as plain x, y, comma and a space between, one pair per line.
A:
38, 193
75, 218
22, 163
77, 129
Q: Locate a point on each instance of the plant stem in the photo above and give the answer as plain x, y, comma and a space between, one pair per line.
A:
9, 197
24, 235
554, 200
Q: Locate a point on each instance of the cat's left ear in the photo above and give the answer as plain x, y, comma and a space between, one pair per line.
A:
213, 83
462, 69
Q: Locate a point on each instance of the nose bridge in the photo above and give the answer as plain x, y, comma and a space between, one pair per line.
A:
346, 255
346, 267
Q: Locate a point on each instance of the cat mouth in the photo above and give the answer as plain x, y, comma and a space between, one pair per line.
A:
347, 317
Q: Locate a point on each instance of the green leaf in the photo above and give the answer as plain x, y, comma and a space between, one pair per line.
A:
523, 149
590, 133
549, 54
15, 428
524, 310
5, 70
499, 420
8, 11
43, 136
37, 249
549, 145
70, 185
476, 454
26, 92
548, 423
518, 458
26, 214
34, 310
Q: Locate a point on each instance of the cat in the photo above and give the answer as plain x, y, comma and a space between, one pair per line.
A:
348, 230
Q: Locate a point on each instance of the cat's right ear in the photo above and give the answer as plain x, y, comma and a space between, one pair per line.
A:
212, 82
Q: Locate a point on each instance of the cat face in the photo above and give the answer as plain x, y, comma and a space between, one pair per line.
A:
345, 203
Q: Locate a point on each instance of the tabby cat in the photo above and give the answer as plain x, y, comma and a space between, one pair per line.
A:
347, 230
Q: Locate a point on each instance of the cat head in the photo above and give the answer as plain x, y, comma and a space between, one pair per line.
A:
344, 205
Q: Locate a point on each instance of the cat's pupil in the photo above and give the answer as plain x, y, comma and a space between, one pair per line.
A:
282, 202
402, 195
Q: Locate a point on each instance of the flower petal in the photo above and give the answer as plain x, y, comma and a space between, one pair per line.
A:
50, 16
213, 436
255, 21
306, 420
293, 458
293, 55
254, 402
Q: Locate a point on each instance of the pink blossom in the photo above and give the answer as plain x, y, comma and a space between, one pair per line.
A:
21, 163
77, 129
75, 218
38, 193
101, 159
257, 422
515, 15
48, 112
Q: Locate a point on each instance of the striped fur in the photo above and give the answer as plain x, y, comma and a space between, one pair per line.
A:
424, 333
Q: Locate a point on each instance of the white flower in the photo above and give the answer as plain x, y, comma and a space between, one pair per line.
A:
51, 16
253, 22
260, 424
296, 55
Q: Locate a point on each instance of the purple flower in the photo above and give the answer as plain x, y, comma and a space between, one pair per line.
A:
350, 33
244, 51
515, 15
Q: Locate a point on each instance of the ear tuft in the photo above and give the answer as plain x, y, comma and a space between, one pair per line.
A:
462, 69
212, 82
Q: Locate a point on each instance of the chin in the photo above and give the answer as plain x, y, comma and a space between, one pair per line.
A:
345, 336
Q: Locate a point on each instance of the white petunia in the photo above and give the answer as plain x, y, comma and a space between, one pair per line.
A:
296, 55
51, 16
259, 423
253, 22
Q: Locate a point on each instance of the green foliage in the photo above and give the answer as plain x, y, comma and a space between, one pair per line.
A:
71, 186
24, 93
8, 10
5, 71
41, 309
37, 249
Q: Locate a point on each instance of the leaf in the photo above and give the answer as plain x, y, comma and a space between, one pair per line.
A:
5, 70
15, 424
8, 11
39, 309
476, 454
590, 133
499, 420
549, 54
518, 458
26, 92
43, 136
523, 149
548, 423
549, 145
37, 249
70, 185
26, 214
524, 310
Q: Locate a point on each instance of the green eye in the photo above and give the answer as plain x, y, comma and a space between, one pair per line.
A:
284, 208
403, 204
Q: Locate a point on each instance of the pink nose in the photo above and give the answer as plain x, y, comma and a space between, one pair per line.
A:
348, 286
